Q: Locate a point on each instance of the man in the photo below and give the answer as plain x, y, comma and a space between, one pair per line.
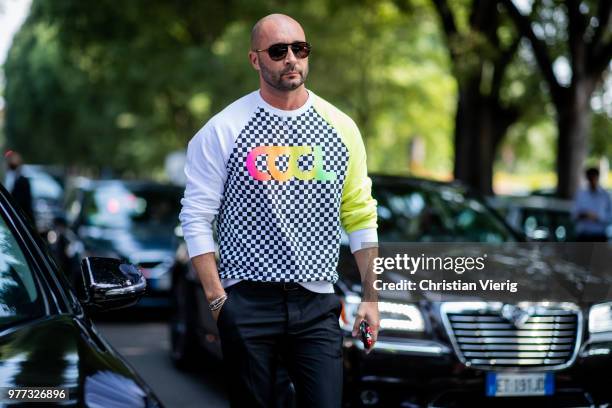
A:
281, 170
17, 184
592, 210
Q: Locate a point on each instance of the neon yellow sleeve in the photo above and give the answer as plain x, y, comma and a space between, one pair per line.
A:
358, 208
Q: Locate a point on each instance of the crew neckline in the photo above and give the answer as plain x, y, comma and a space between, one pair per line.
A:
282, 112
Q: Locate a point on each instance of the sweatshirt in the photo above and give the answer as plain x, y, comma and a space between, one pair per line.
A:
280, 186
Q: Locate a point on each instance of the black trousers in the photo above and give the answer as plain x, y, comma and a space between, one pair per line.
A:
273, 332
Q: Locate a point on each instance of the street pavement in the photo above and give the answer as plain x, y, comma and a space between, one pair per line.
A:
145, 343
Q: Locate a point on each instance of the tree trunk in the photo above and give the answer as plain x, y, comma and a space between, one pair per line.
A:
574, 126
465, 128
589, 58
480, 125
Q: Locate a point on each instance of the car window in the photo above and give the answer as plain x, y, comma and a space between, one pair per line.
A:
44, 186
440, 214
558, 223
20, 296
116, 206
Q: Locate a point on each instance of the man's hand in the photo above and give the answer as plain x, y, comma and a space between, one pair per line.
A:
368, 308
206, 269
367, 311
588, 215
591, 215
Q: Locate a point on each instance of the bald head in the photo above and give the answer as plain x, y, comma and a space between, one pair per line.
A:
275, 28
286, 72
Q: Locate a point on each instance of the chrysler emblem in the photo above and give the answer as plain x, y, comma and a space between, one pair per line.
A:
515, 315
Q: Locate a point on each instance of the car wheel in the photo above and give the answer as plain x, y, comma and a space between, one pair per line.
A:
185, 350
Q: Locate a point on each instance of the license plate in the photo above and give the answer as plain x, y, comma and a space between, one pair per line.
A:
520, 385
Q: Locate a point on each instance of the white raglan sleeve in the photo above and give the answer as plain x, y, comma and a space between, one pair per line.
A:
206, 172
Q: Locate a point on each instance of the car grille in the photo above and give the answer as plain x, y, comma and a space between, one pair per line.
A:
483, 337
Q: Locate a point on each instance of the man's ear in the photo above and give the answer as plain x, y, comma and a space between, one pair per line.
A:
254, 60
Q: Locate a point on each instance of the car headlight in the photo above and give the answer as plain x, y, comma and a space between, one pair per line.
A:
393, 316
600, 318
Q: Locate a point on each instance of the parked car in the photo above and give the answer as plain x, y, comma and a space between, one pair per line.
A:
544, 192
47, 195
131, 220
46, 336
439, 353
540, 218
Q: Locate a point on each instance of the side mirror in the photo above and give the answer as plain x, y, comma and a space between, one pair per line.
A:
109, 283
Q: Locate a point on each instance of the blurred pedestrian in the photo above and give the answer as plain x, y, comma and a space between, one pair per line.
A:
592, 210
17, 184
281, 170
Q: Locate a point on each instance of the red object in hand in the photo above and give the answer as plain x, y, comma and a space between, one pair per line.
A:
366, 334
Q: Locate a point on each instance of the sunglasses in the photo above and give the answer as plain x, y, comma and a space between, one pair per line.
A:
277, 52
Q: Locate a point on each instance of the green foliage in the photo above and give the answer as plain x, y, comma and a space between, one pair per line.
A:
535, 137
601, 146
120, 85
102, 85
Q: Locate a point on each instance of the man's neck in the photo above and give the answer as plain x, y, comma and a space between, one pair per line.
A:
285, 100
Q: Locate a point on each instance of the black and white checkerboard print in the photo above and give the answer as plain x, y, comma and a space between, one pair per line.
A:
282, 231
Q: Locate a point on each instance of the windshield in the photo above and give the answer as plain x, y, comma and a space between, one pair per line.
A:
44, 186
116, 206
20, 297
435, 214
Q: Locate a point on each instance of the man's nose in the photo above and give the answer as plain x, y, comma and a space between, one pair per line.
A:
290, 58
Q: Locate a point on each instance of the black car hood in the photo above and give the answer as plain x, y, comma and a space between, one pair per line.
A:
60, 351
540, 276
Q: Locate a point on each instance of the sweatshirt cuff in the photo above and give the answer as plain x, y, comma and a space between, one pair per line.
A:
364, 238
200, 245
